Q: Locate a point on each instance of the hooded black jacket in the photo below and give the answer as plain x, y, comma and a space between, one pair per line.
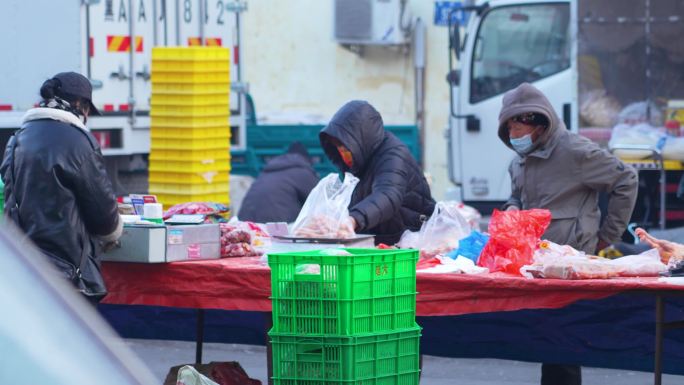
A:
57, 191
392, 195
280, 191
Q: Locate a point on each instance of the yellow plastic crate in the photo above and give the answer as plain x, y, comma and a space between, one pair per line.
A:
193, 189
191, 66
206, 165
190, 155
209, 177
218, 134
190, 88
169, 200
189, 144
190, 122
190, 111
190, 99
189, 77
190, 53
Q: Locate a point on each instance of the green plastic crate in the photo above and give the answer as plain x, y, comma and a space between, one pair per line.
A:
380, 359
369, 292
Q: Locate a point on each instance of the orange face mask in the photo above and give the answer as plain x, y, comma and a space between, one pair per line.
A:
346, 155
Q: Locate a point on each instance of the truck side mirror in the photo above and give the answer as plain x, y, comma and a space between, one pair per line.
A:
453, 78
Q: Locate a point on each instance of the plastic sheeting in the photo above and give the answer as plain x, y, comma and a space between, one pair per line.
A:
244, 284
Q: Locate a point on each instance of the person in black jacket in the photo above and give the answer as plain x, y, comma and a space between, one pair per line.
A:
56, 187
392, 195
281, 189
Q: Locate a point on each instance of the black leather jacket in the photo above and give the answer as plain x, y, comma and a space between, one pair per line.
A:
392, 195
58, 192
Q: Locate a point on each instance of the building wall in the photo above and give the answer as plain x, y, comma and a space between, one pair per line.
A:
293, 66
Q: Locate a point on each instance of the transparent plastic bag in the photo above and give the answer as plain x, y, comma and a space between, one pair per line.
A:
440, 234
640, 134
564, 262
325, 213
646, 264
514, 236
187, 375
470, 214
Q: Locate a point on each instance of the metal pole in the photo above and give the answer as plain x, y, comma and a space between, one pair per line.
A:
178, 21
663, 186
649, 83
201, 20
131, 63
199, 336
660, 315
154, 23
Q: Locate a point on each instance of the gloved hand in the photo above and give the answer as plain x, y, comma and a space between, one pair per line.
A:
109, 246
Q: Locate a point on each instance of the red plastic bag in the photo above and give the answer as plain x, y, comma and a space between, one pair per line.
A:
513, 238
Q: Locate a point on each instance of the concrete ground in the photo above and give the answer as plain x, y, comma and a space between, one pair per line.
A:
161, 355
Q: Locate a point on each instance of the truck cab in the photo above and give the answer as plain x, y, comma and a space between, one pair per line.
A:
505, 44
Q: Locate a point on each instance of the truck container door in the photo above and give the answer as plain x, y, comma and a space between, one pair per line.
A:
122, 34
218, 27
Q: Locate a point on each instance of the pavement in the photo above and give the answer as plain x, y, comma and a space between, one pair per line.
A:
161, 355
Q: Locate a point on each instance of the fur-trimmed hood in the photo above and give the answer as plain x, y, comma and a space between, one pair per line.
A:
54, 114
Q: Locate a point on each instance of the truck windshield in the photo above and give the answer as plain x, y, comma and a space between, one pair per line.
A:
519, 44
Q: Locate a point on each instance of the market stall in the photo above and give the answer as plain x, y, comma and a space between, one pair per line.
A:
461, 270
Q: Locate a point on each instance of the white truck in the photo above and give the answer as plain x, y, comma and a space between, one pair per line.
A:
614, 51
110, 42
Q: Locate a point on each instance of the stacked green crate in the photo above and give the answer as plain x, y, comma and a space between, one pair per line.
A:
345, 318
190, 124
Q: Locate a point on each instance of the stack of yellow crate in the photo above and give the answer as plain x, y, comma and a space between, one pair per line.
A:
190, 125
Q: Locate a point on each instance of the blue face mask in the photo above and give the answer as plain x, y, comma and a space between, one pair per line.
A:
522, 145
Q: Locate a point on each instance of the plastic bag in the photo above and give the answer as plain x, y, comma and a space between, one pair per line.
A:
514, 236
470, 247
187, 375
599, 109
243, 239
646, 264
640, 134
440, 234
470, 214
325, 213
564, 262
674, 149
638, 112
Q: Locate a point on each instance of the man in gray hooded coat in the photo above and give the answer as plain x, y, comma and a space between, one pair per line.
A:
563, 172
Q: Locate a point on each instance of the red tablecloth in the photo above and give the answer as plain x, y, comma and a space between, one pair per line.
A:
244, 284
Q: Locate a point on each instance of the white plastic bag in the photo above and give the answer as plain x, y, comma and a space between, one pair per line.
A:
640, 134
440, 234
325, 213
470, 214
563, 262
674, 149
187, 375
646, 264
638, 112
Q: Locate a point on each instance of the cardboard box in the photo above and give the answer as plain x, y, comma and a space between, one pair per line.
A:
159, 244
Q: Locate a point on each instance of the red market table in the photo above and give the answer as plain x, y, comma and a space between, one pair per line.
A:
244, 284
